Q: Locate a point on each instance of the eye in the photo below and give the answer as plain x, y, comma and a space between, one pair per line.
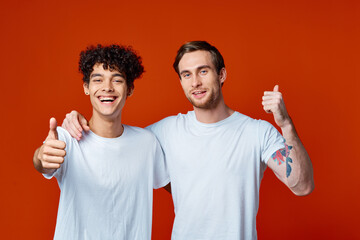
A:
185, 75
96, 80
203, 72
118, 80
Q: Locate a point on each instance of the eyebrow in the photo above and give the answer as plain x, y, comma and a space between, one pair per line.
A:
198, 68
100, 75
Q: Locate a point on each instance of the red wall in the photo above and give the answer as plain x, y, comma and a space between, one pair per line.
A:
310, 48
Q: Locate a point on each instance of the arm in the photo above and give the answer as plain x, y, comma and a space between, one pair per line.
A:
50, 155
74, 123
292, 164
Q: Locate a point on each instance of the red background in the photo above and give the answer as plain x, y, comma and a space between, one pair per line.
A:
310, 48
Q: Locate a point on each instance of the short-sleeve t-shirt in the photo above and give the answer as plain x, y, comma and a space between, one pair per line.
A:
215, 172
107, 185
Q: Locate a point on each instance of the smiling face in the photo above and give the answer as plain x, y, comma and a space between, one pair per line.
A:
108, 92
199, 79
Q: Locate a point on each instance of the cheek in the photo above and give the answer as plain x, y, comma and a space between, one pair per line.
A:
184, 84
123, 91
93, 89
185, 89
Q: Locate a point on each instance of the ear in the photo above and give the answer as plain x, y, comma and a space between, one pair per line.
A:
130, 91
86, 88
222, 76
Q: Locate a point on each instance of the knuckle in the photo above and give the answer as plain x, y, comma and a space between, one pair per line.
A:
45, 150
45, 165
62, 153
45, 158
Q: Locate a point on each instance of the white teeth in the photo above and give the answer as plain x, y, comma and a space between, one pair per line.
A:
107, 99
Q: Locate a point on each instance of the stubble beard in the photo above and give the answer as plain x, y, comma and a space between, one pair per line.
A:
212, 101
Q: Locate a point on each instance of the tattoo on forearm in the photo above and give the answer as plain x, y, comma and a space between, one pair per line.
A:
281, 156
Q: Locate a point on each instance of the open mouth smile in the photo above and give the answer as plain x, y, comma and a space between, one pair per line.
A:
198, 93
107, 99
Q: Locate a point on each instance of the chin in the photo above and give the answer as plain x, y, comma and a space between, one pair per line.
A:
202, 103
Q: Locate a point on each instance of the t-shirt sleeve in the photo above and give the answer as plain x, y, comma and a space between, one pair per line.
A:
270, 140
161, 175
60, 172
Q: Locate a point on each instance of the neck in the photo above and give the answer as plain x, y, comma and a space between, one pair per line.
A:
105, 127
215, 114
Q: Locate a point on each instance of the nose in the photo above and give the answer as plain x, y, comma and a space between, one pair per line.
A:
196, 81
108, 86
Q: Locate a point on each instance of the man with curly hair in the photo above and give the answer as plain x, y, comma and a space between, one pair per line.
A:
107, 178
216, 156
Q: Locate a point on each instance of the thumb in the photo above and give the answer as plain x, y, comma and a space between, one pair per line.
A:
52, 132
84, 123
276, 88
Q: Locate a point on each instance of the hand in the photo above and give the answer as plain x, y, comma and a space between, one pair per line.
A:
74, 123
274, 103
51, 154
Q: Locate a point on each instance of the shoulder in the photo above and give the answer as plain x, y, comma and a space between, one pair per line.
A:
139, 132
167, 122
245, 121
268, 133
265, 125
257, 123
252, 126
64, 135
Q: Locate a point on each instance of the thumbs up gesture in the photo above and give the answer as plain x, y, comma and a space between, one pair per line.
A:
274, 103
51, 154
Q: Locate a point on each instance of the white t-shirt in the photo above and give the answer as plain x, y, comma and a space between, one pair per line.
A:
215, 172
107, 185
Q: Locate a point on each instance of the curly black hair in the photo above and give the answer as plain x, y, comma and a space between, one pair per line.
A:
113, 57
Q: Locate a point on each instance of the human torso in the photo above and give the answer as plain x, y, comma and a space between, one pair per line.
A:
106, 186
215, 172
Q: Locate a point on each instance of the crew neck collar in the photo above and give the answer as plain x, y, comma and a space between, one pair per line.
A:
210, 125
104, 139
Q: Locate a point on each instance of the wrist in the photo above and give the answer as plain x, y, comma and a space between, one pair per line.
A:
287, 125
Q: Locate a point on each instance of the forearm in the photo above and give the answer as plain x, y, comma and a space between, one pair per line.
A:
299, 172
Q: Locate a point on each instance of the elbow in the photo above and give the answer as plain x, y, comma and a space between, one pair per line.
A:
304, 190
